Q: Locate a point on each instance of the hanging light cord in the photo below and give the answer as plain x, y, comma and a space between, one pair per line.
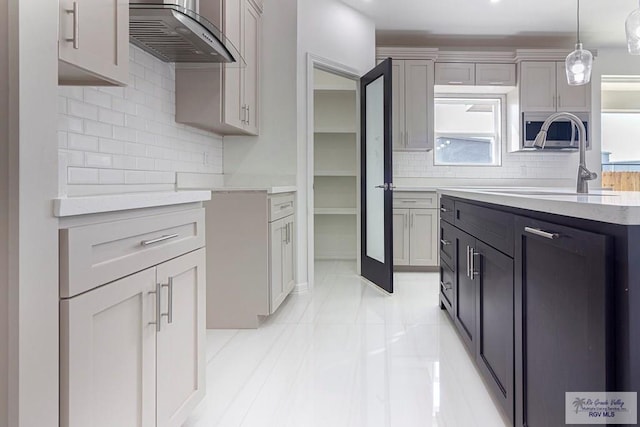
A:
578, 19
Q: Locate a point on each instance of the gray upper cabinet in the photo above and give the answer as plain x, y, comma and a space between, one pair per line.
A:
455, 74
412, 106
495, 74
93, 44
226, 99
475, 74
544, 88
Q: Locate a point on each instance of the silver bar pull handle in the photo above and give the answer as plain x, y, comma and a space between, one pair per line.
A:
159, 239
444, 210
76, 25
542, 233
468, 262
445, 285
445, 242
248, 114
473, 271
169, 313
158, 315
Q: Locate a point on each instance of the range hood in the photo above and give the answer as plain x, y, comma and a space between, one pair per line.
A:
172, 31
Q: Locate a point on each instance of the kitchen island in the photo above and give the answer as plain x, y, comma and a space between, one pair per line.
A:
543, 286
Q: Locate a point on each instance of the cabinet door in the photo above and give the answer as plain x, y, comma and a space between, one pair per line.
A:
561, 324
108, 355
93, 45
495, 323
538, 86
233, 111
571, 98
251, 51
418, 104
277, 243
401, 237
397, 104
495, 74
288, 265
465, 291
455, 74
181, 344
424, 237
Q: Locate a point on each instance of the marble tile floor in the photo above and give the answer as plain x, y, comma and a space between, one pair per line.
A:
347, 355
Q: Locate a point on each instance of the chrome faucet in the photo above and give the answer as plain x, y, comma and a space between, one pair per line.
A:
584, 174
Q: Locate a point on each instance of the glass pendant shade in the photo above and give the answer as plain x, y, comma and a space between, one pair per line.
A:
579, 62
578, 66
633, 32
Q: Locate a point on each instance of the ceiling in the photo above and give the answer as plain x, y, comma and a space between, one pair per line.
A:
525, 23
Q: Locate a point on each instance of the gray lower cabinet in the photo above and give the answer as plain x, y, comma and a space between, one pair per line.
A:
132, 350
251, 256
415, 229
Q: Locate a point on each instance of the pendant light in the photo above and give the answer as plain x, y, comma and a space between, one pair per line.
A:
633, 32
579, 62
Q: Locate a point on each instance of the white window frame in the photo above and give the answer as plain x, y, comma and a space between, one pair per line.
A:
500, 126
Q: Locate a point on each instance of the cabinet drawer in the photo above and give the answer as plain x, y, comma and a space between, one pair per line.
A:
447, 278
419, 200
447, 210
491, 226
447, 244
281, 206
96, 254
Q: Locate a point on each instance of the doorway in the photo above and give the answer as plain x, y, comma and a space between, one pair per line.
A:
336, 173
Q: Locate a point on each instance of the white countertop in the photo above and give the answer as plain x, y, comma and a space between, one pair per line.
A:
615, 207
71, 206
414, 188
269, 190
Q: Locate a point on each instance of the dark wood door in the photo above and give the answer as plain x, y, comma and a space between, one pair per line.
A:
495, 323
465, 290
376, 183
561, 321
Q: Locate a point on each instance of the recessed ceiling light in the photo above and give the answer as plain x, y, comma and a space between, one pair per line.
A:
495, 1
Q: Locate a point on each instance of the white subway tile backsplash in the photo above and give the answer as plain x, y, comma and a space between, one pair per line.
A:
76, 141
111, 176
82, 175
98, 129
82, 110
111, 117
127, 138
95, 97
97, 160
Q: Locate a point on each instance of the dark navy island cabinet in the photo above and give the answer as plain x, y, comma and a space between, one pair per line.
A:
543, 304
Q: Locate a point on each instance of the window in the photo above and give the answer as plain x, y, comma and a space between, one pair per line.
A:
468, 130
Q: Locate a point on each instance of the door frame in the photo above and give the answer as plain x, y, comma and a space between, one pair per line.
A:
324, 64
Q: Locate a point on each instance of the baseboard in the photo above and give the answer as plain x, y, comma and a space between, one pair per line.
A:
301, 288
335, 258
417, 269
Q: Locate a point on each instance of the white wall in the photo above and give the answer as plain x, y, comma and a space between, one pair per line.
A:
331, 30
33, 231
114, 140
270, 159
4, 212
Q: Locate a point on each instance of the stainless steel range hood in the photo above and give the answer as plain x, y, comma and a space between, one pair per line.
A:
172, 31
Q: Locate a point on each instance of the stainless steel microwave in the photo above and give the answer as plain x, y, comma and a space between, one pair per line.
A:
562, 135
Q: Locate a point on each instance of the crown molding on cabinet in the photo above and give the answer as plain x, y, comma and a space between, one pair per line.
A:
407, 53
545, 54
490, 57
